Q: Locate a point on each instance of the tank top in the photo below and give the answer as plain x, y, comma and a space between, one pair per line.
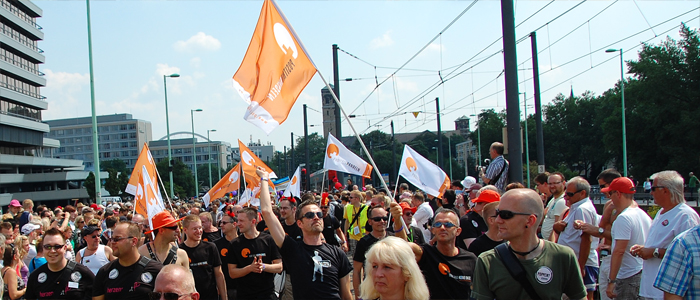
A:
95, 261
20, 285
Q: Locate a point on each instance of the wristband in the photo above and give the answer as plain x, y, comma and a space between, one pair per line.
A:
263, 267
264, 179
400, 228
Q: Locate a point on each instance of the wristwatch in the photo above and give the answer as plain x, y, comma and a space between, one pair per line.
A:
612, 281
656, 252
601, 230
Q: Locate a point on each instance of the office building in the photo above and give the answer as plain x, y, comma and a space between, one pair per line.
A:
182, 150
264, 152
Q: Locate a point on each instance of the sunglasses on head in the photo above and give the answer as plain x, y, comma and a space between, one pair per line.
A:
379, 219
166, 296
311, 215
447, 225
507, 214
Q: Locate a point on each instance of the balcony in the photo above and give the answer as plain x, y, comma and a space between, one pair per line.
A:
17, 16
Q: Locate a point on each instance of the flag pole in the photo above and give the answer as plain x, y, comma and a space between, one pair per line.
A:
163, 187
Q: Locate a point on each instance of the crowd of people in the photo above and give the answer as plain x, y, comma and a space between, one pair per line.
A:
477, 241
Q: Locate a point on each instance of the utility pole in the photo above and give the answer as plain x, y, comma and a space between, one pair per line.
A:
293, 164
393, 153
538, 104
306, 146
515, 157
439, 133
286, 167
336, 90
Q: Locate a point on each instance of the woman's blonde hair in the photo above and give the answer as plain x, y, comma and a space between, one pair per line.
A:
394, 251
19, 241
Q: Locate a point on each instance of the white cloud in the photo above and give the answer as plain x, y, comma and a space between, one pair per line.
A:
196, 62
382, 41
435, 47
199, 41
66, 90
164, 69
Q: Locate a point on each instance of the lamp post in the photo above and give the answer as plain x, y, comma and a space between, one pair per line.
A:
478, 134
209, 150
95, 138
527, 144
167, 127
622, 94
449, 146
194, 154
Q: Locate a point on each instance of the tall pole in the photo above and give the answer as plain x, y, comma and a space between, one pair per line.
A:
336, 90
209, 153
293, 162
95, 142
167, 127
194, 155
449, 146
527, 143
538, 104
440, 160
515, 157
306, 146
218, 164
286, 166
393, 153
624, 128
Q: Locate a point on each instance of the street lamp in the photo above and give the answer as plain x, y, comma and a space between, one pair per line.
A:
209, 160
194, 153
478, 134
527, 143
622, 93
167, 127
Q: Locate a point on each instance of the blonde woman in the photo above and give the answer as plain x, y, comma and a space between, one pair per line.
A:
22, 243
392, 272
13, 286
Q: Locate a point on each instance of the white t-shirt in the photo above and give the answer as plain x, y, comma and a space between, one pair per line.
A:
664, 228
556, 207
30, 255
585, 211
632, 225
422, 215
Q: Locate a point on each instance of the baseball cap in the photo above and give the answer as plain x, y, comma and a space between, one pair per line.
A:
89, 230
28, 228
468, 182
487, 196
475, 186
15, 203
620, 184
405, 206
163, 219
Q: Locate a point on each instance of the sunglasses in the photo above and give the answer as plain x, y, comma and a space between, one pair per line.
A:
408, 213
171, 227
324, 207
311, 215
166, 296
507, 214
92, 236
447, 225
570, 194
54, 247
654, 188
379, 219
117, 239
224, 223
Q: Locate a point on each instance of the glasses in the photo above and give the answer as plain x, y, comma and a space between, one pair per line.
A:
171, 227
166, 296
311, 215
224, 223
654, 188
570, 194
54, 247
93, 236
324, 207
408, 213
379, 219
554, 183
447, 225
507, 214
117, 239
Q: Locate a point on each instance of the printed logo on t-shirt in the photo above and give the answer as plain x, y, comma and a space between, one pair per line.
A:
475, 223
42, 278
76, 276
113, 274
544, 275
146, 277
665, 222
245, 252
224, 252
319, 264
445, 270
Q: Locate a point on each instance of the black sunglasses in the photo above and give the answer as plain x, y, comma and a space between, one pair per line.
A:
570, 194
171, 227
507, 214
379, 219
166, 296
118, 239
311, 215
408, 213
447, 225
54, 247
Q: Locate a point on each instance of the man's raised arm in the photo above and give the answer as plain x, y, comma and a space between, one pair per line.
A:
273, 224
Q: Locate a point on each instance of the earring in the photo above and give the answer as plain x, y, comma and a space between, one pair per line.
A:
526, 226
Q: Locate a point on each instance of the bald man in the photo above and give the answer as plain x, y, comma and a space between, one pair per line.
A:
175, 279
554, 267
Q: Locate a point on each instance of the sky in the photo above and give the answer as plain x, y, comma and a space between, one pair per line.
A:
136, 42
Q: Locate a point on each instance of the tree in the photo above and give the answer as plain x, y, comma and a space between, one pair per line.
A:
203, 174
114, 164
182, 178
89, 185
491, 124
112, 183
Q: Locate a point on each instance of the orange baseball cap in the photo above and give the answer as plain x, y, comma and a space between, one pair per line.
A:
405, 206
621, 184
487, 196
163, 219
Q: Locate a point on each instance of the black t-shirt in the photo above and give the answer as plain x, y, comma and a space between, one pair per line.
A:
482, 244
242, 253
211, 236
223, 245
447, 277
118, 282
315, 270
415, 235
262, 226
65, 284
330, 224
292, 230
473, 226
203, 259
363, 246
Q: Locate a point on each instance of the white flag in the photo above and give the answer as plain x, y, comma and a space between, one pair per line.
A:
422, 173
339, 158
293, 188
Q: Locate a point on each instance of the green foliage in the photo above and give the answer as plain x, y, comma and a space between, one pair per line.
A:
89, 185
490, 126
182, 178
114, 164
203, 174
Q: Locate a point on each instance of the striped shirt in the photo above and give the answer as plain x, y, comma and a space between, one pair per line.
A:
494, 168
680, 263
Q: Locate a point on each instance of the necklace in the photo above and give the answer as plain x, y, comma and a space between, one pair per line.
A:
525, 253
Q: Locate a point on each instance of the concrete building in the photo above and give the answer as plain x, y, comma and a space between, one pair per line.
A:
120, 137
182, 151
466, 150
25, 170
264, 152
328, 107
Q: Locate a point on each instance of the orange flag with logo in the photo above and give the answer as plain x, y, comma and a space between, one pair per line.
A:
143, 184
249, 162
231, 182
274, 70
422, 173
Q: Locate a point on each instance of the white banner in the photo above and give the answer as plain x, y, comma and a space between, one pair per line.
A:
422, 173
339, 158
294, 187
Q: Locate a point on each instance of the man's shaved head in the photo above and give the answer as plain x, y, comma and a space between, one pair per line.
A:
525, 200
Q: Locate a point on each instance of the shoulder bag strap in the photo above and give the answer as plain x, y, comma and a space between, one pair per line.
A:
495, 179
357, 216
150, 251
515, 269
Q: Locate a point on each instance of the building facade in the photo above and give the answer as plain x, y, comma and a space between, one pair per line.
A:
120, 136
25, 170
264, 152
216, 152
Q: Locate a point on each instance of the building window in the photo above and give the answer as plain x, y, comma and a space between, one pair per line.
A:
132, 135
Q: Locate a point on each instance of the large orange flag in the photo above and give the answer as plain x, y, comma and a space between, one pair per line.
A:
249, 162
231, 182
143, 184
274, 71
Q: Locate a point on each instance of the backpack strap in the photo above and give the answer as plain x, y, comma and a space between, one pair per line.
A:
515, 269
150, 252
172, 256
70, 266
143, 261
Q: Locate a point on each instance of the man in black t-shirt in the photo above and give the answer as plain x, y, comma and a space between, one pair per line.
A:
331, 227
253, 259
205, 262
58, 278
447, 268
230, 230
472, 224
210, 232
288, 209
318, 270
490, 239
131, 276
378, 218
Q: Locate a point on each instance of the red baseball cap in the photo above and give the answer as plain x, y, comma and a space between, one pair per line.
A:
487, 196
163, 219
621, 184
405, 206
